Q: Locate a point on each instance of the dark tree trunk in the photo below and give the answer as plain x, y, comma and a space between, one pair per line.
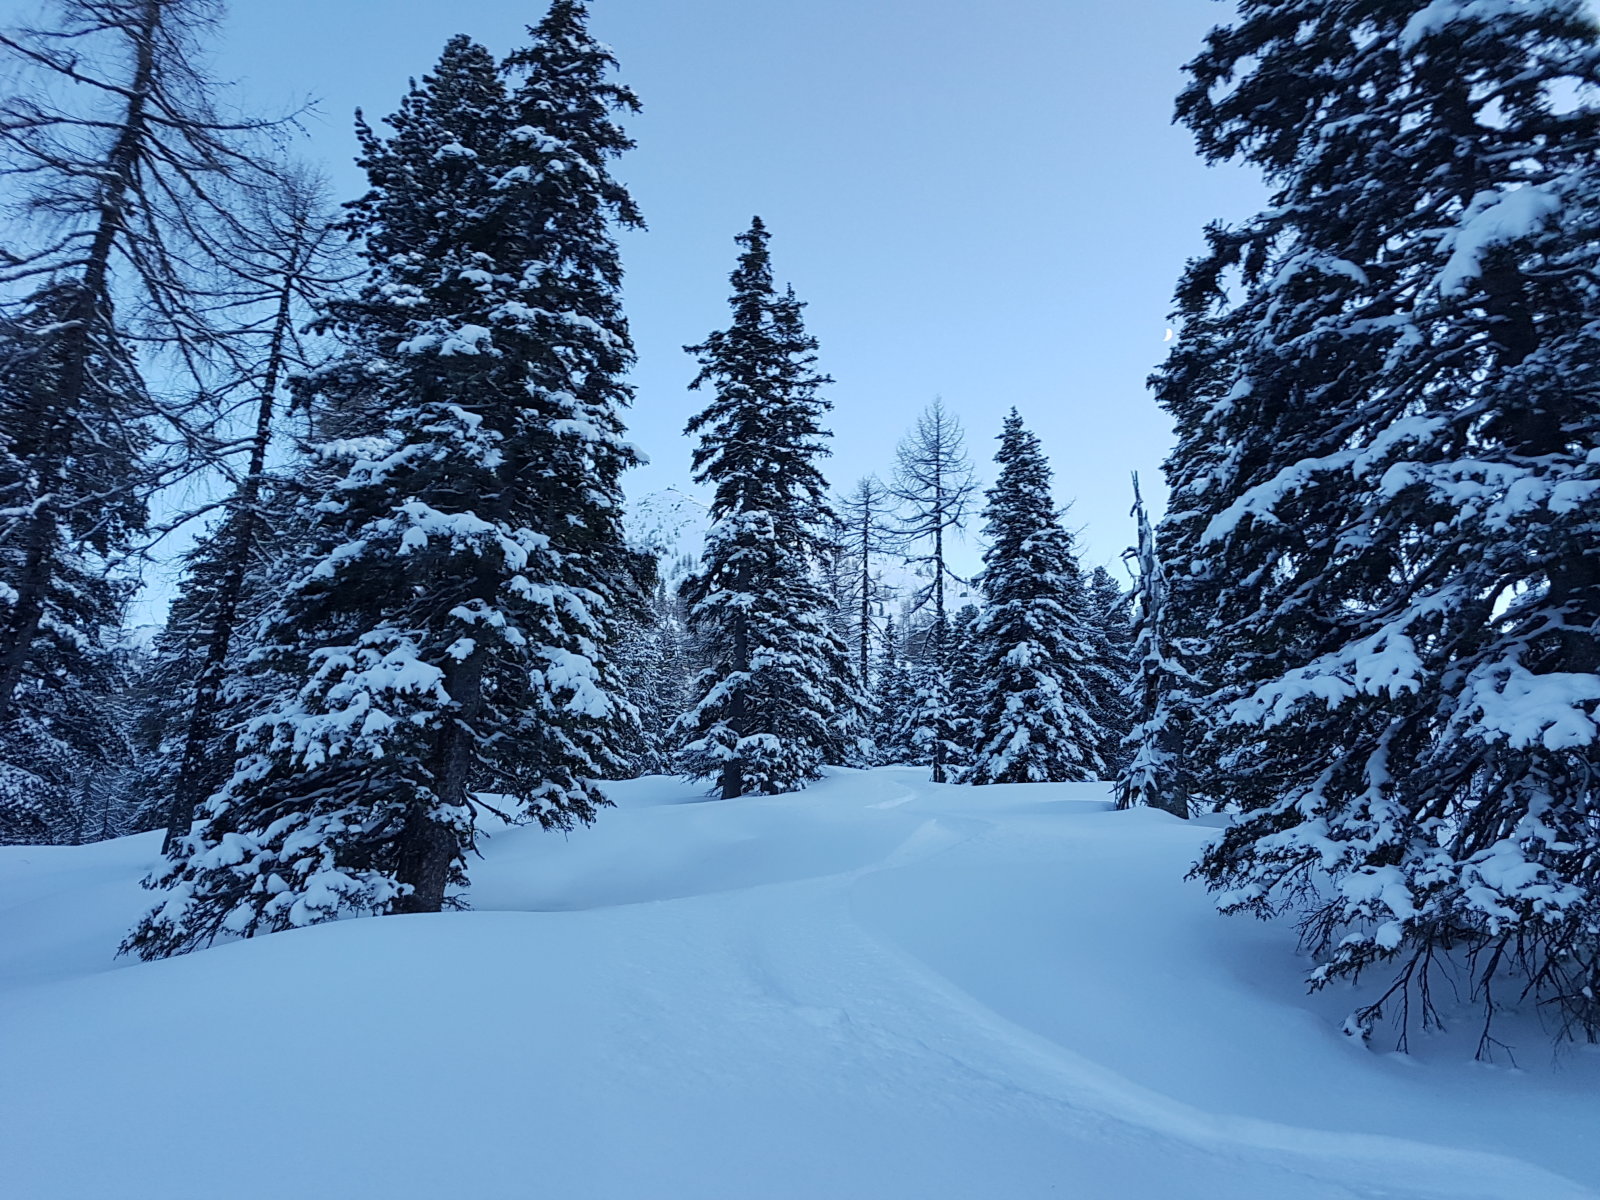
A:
429, 850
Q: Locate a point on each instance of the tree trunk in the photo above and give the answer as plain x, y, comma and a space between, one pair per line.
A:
428, 849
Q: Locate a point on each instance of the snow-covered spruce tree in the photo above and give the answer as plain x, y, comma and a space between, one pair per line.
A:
196, 687
448, 640
577, 340
1110, 619
1385, 488
777, 698
1037, 649
933, 486
1152, 771
893, 698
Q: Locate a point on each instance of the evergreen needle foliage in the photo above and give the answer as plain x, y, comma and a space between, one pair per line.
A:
777, 698
1383, 520
1039, 653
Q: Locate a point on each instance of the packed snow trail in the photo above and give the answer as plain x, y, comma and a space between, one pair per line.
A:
878, 988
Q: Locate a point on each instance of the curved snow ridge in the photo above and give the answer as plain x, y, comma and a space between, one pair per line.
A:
653, 849
1390, 1166
1023, 1057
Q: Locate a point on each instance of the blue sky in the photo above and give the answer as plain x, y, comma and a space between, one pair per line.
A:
983, 199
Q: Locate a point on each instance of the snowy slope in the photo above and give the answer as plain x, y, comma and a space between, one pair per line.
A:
878, 988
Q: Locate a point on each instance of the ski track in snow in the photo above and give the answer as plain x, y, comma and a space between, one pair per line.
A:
878, 988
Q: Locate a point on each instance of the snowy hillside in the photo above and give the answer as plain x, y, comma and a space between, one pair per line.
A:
670, 524
877, 988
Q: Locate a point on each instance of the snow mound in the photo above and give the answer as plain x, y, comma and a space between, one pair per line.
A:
877, 988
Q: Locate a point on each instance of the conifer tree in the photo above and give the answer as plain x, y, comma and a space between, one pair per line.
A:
893, 699
653, 665
197, 664
933, 485
57, 586
1111, 624
965, 671
1388, 399
1040, 667
935, 732
449, 635
777, 697
1152, 771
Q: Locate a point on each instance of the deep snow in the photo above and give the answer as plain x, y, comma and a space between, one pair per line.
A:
877, 988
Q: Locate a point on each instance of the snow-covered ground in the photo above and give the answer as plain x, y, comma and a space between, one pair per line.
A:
878, 988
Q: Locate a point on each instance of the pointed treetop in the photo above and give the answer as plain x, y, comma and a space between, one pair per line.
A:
761, 436
562, 16
1025, 473
566, 100
752, 277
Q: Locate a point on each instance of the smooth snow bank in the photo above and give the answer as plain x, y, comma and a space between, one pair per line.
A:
878, 988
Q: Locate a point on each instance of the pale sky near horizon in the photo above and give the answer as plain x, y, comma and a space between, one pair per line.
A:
982, 199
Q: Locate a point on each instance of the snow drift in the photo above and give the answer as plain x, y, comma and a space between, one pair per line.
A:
876, 988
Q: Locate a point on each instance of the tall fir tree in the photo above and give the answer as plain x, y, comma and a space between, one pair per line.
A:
777, 698
1388, 400
58, 588
449, 636
1037, 649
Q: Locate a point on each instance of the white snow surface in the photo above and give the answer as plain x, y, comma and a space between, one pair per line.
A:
878, 988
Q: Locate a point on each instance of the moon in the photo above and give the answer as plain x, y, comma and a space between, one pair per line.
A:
1169, 335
